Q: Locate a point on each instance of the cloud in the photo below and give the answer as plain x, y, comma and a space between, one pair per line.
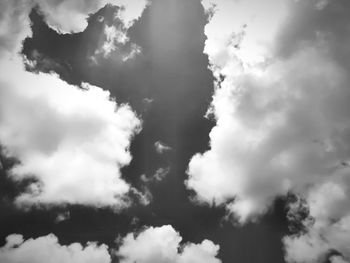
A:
67, 16
282, 117
62, 216
71, 140
144, 197
70, 16
153, 245
14, 24
158, 176
116, 39
161, 173
162, 244
329, 229
247, 106
112, 35
161, 147
48, 249
38, 62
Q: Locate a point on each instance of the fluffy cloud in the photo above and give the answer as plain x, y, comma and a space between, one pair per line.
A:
153, 245
282, 116
47, 249
162, 245
248, 107
71, 140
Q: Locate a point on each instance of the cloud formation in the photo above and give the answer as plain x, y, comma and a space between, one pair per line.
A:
282, 116
48, 249
67, 16
152, 245
162, 244
71, 140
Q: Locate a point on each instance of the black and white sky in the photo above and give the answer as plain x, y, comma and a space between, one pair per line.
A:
174, 131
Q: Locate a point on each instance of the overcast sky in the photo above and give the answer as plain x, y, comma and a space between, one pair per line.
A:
174, 131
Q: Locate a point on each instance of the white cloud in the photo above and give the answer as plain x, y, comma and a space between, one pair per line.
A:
282, 116
112, 35
162, 245
116, 37
307, 248
47, 249
273, 133
74, 141
314, 245
152, 245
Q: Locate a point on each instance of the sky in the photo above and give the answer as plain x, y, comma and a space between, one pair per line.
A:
174, 131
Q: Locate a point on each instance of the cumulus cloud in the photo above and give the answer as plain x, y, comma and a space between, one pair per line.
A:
162, 244
282, 116
246, 105
48, 249
152, 245
71, 140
